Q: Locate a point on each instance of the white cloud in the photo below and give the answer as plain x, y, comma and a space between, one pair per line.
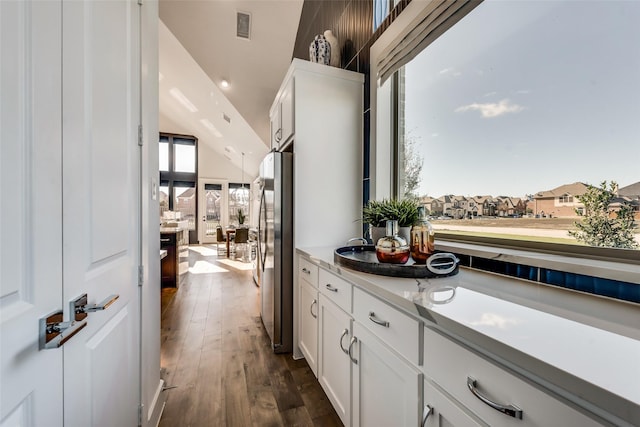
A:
491, 109
490, 94
523, 92
446, 71
435, 135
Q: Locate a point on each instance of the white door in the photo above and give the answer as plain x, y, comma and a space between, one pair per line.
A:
386, 389
210, 208
101, 200
30, 210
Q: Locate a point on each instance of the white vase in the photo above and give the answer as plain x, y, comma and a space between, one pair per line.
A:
335, 48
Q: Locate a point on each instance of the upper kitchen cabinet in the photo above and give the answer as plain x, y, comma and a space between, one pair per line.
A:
317, 115
282, 123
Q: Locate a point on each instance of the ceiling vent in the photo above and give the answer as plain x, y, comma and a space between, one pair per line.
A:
243, 25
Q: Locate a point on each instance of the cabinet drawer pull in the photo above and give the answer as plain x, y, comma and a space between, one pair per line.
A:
331, 288
372, 317
314, 302
428, 410
304, 270
165, 240
344, 333
351, 343
512, 411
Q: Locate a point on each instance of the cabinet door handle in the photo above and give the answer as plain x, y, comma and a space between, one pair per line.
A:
351, 343
425, 414
305, 271
315, 316
372, 317
344, 333
331, 288
512, 411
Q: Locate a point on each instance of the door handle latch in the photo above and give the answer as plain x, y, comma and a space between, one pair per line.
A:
80, 306
53, 332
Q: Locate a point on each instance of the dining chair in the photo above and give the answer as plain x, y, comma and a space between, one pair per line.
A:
221, 242
241, 241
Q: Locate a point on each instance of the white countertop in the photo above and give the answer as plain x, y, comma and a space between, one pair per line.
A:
567, 341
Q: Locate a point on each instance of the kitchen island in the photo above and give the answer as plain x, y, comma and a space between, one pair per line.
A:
175, 241
555, 356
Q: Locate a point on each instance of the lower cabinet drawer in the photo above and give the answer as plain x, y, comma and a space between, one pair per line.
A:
336, 289
396, 329
458, 370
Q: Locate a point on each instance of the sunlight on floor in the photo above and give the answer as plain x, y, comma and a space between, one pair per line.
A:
206, 267
238, 265
204, 250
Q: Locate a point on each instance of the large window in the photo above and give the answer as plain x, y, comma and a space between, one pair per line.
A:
239, 201
178, 176
510, 118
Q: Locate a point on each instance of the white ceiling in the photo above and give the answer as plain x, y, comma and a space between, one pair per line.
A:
199, 48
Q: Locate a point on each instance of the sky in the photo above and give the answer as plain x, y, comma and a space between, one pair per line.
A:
523, 96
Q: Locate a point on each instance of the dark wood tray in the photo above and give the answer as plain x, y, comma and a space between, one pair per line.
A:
363, 258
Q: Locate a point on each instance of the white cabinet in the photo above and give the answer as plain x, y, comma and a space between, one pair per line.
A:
334, 365
396, 329
307, 302
386, 388
282, 122
308, 342
318, 115
440, 411
496, 396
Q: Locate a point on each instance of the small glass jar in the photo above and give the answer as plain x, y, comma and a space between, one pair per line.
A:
392, 248
422, 239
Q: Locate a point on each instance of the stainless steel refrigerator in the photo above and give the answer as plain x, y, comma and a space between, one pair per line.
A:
275, 249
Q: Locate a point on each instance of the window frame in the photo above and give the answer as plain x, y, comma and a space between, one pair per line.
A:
171, 177
384, 140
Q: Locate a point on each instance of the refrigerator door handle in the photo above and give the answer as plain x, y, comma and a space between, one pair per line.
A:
262, 234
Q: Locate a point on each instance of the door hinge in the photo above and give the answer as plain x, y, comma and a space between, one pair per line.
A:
140, 275
140, 2
140, 141
140, 407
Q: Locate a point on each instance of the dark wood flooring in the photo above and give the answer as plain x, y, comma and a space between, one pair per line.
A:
216, 353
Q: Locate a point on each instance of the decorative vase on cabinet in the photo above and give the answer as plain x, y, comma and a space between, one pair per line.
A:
335, 49
320, 50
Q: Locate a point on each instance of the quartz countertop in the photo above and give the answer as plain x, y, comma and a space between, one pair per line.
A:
565, 341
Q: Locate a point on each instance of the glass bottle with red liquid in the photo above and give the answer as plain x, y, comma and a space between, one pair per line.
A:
422, 239
392, 249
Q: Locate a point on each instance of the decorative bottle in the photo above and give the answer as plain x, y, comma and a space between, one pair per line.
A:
422, 239
392, 248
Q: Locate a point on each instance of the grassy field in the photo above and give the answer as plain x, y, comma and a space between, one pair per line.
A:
551, 230
540, 223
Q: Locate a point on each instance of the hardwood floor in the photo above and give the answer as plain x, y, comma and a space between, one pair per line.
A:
216, 353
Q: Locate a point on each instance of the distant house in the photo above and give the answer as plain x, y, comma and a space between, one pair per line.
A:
630, 195
560, 202
510, 206
432, 206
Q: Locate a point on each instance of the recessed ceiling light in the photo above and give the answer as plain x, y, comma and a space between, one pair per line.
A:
224, 83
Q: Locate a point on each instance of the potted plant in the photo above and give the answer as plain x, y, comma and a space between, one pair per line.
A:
241, 216
376, 213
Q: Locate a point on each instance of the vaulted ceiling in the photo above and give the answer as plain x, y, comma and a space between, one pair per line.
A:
205, 31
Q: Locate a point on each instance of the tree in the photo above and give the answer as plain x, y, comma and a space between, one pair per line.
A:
412, 167
598, 226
